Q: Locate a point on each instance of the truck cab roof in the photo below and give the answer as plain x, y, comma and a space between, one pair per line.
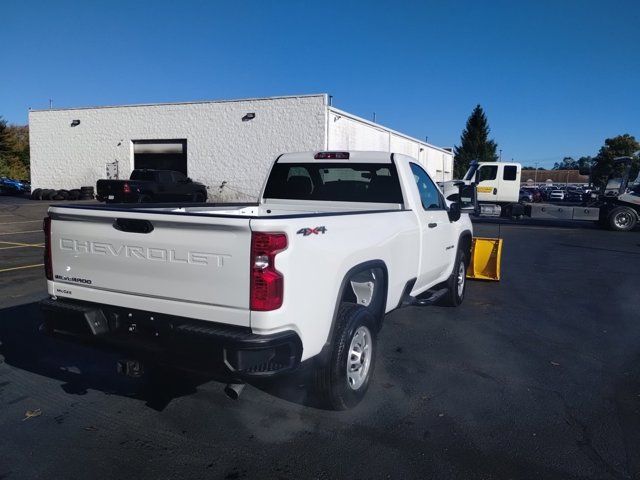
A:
354, 156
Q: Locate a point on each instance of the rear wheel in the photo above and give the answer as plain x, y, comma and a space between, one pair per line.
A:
622, 219
343, 381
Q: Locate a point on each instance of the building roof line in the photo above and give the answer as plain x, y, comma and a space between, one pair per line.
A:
195, 102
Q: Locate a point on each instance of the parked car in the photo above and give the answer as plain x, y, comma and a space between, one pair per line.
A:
306, 274
526, 195
574, 195
11, 186
146, 186
556, 195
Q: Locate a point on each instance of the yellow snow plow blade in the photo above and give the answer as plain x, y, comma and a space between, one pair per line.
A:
486, 255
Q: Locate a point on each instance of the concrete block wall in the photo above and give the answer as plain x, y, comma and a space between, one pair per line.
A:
220, 146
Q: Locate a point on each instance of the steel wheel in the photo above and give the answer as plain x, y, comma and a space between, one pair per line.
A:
623, 220
359, 359
462, 276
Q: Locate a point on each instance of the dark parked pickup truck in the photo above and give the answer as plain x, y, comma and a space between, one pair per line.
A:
151, 186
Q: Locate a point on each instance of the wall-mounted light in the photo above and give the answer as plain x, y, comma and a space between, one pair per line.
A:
75, 123
249, 116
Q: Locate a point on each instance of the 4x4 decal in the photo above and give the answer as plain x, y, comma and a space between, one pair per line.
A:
308, 231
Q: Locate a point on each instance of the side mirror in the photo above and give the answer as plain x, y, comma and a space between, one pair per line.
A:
454, 212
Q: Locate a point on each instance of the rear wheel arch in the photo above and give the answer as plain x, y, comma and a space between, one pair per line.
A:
346, 294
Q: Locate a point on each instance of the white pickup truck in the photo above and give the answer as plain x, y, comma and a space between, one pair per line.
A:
306, 274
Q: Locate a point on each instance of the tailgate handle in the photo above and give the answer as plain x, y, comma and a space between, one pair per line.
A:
133, 225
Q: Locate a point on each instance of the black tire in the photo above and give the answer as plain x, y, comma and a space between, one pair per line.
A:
85, 197
74, 194
331, 381
86, 190
48, 194
623, 219
199, 197
455, 295
36, 194
64, 194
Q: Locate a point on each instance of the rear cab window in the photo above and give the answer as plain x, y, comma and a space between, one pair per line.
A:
340, 182
142, 175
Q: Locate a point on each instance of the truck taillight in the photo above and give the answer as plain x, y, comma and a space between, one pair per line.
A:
267, 284
126, 188
48, 265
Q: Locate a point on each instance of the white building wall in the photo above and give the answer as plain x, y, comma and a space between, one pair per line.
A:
349, 132
220, 146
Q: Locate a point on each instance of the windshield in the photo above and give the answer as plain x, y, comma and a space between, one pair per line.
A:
353, 182
471, 172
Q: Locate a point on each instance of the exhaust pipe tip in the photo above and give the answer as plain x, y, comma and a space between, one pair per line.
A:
233, 390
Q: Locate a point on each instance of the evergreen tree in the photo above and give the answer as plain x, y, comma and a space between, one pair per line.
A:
474, 143
621, 146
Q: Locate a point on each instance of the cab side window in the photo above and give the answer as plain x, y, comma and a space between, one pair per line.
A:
487, 172
510, 172
429, 193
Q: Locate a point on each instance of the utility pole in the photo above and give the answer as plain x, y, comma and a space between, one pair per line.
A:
500, 157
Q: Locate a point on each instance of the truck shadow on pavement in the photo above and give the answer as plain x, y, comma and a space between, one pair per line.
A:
82, 368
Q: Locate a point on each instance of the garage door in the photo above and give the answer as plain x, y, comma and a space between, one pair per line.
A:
160, 154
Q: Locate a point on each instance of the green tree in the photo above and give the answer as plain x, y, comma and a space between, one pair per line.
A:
474, 143
604, 166
14, 150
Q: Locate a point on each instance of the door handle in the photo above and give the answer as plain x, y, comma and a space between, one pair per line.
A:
433, 225
495, 191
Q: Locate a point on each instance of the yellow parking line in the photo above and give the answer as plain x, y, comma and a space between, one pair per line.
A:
16, 233
21, 268
25, 221
22, 246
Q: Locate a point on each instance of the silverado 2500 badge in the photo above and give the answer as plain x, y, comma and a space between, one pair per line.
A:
308, 231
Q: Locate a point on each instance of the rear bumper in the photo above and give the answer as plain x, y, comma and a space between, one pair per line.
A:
186, 342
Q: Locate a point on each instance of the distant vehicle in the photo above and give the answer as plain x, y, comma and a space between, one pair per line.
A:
10, 186
536, 193
526, 195
574, 195
145, 186
556, 195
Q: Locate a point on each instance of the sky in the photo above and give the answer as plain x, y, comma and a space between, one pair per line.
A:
555, 78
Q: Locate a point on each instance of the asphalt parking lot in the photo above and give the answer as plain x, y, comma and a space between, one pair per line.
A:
537, 376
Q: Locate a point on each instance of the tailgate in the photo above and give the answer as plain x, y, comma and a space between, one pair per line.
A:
194, 266
109, 187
